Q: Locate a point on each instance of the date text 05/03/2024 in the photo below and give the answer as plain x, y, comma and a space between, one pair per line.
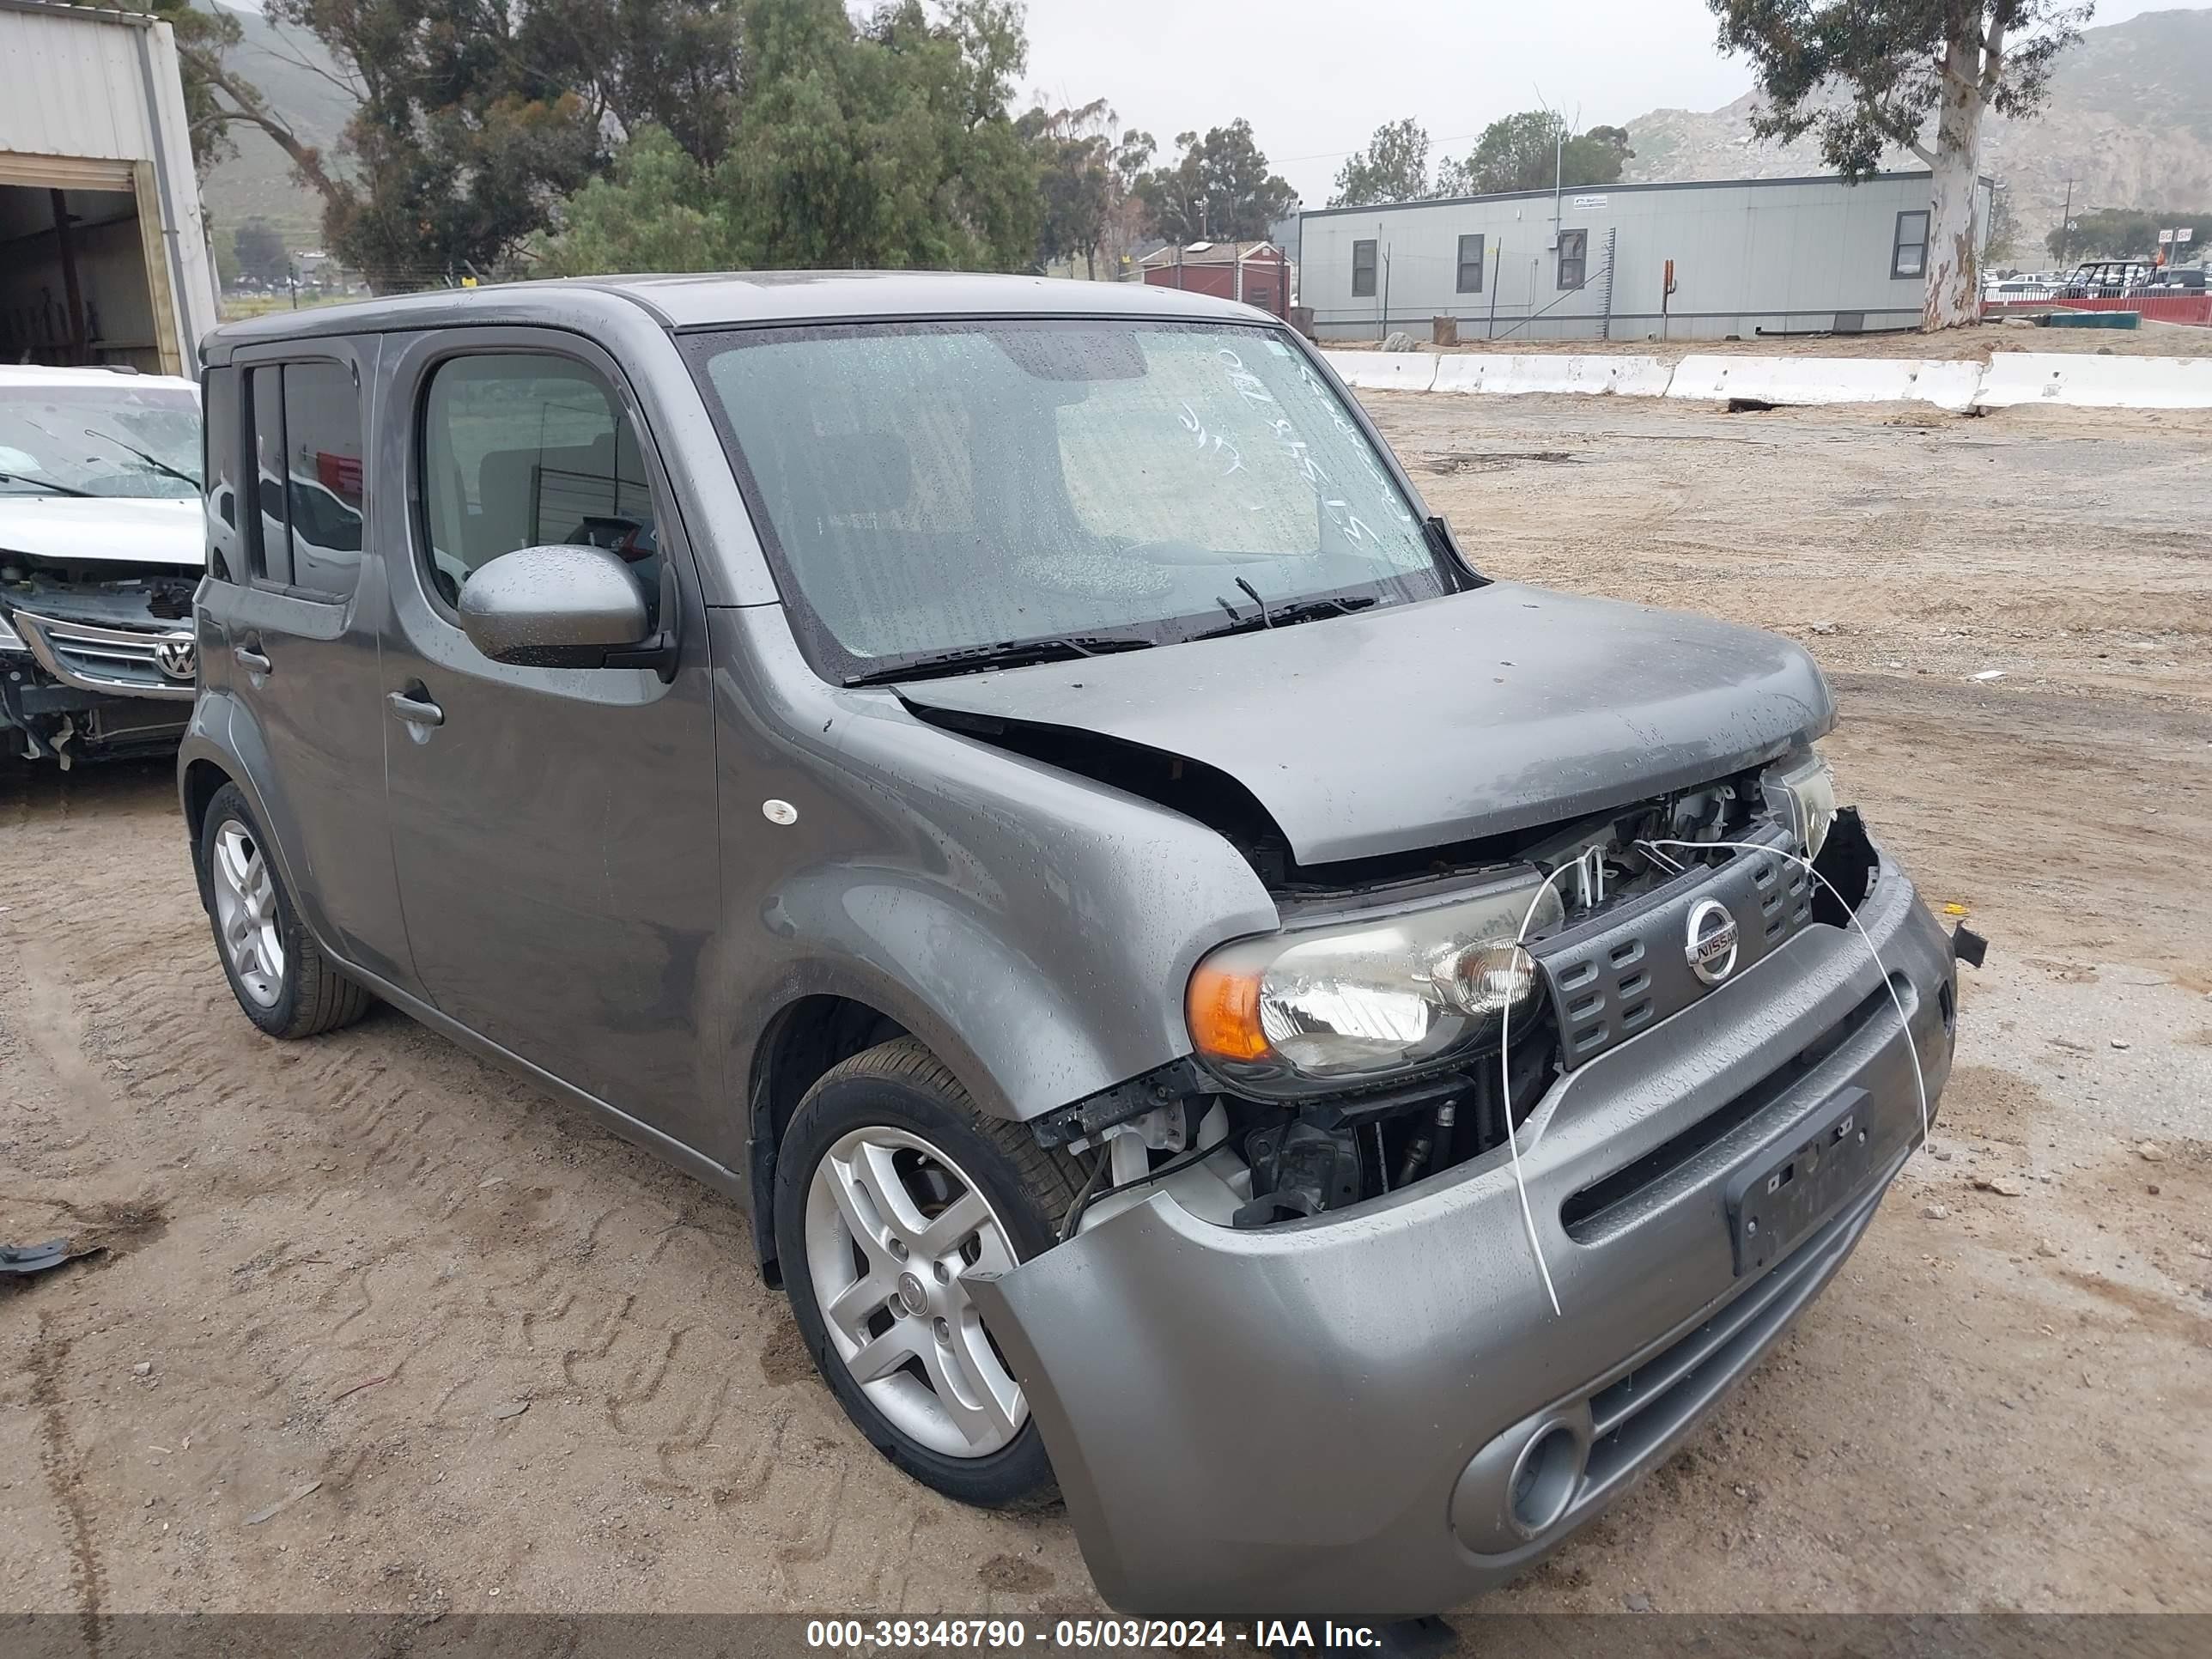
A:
990, 1635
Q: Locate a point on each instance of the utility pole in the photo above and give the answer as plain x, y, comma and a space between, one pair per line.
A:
1558, 176
2066, 224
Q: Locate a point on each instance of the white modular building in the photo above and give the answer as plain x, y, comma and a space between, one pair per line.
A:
1736, 258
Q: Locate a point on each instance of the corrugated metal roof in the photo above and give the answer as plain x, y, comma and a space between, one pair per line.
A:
75, 86
1209, 253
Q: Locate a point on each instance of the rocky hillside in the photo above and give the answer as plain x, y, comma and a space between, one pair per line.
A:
296, 74
2129, 120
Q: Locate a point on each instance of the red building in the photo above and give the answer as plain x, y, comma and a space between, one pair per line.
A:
1258, 273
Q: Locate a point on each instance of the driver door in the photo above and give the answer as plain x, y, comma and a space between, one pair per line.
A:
553, 829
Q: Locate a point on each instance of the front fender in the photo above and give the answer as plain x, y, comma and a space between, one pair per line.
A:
1034, 928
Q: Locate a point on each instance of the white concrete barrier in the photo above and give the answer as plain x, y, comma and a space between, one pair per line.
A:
1817, 380
2080, 380
2085, 380
1386, 371
1558, 374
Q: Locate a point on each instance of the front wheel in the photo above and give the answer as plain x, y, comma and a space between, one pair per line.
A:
890, 1185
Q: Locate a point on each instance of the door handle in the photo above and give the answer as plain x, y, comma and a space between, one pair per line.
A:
251, 661
415, 711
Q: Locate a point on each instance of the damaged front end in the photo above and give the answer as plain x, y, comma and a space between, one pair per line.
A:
97, 658
1410, 1009
1294, 1354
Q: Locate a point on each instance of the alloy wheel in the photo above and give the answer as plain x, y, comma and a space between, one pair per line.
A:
245, 913
891, 1224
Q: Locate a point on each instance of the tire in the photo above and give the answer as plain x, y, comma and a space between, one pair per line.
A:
981, 1452
281, 978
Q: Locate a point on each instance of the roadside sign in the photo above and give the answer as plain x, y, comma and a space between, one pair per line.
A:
2187, 232
2165, 237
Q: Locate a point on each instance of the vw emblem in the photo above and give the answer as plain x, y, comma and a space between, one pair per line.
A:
1710, 949
176, 657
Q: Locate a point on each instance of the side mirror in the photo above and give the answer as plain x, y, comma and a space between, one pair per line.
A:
568, 607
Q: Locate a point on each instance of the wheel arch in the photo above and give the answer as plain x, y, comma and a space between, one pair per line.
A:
802, 1041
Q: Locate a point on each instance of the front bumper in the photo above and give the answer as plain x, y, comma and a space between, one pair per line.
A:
1324, 1417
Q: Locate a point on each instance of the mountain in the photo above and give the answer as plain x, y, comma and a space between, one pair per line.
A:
302, 84
2129, 120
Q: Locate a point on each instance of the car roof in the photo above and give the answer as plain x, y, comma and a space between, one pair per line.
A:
30, 374
736, 299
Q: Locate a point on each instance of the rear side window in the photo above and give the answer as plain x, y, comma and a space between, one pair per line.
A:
272, 541
308, 482
523, 449
222, 432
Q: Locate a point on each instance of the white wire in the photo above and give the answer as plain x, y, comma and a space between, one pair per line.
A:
1506, 1080
1505, 1022
1903, 1020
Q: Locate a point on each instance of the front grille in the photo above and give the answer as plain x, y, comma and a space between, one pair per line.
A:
1625, 968
127, 661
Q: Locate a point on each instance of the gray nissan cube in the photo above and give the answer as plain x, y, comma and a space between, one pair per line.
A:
1331, 1060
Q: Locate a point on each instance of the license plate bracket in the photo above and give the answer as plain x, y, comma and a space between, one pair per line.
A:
1778, 1197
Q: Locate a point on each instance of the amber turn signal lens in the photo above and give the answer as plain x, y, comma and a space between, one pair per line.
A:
1223, 1008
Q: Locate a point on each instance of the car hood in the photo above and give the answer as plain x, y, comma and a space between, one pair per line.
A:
123, 529
1420, 725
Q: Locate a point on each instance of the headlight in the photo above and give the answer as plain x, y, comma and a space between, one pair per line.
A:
1801, 793
1302, 1011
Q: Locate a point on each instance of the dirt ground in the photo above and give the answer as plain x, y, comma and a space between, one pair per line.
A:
379, 1327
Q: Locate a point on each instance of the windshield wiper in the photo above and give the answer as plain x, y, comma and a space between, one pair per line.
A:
1283, 616
159, 466
1006, 654
48, 485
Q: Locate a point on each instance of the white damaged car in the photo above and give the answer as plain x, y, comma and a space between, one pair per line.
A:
101, 547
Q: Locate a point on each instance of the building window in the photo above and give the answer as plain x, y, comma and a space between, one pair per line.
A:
1363, 269
1470, 264
1908, 254
1574, 256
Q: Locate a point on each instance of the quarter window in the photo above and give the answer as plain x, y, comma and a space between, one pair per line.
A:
1470, 264
307, 478
220, 438
1574, 257
1363, 269
1908, 252
523, 450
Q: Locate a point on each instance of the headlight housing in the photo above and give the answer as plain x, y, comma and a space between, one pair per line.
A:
1311, 1010
1801, 792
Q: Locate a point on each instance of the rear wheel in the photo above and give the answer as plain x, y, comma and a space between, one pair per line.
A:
278, 974
890, 1185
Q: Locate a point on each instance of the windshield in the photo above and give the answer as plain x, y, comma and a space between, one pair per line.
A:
120, 440
932, 489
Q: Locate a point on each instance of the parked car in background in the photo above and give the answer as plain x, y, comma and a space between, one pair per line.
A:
1007, 779
102, 545
2107, 279
2177, 280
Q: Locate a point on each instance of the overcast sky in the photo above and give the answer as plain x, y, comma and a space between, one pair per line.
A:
1317, 77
